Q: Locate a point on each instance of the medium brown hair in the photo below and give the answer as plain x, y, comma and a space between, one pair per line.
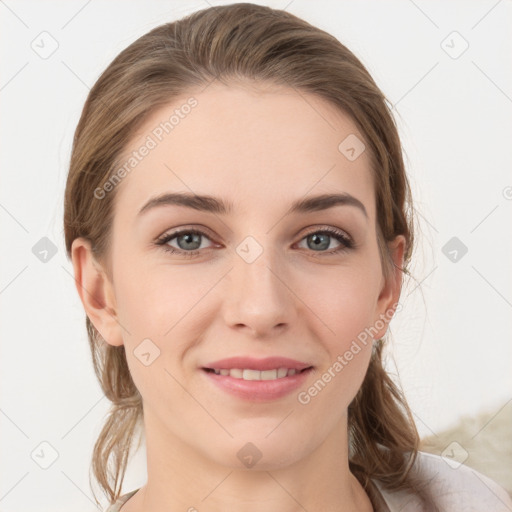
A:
230, 43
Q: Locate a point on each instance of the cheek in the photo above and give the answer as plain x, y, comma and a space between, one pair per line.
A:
347, 306
163, 313
153, 300
348, 309
346, 301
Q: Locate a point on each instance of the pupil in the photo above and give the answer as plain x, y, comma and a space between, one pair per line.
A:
317, 241
190, 238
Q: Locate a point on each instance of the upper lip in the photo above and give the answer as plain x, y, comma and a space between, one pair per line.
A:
251, 363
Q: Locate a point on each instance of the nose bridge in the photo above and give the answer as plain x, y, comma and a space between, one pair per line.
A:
257, 296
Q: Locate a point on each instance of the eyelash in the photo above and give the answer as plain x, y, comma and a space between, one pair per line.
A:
345, 241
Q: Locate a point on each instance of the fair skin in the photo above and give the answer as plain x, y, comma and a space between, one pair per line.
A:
261, 149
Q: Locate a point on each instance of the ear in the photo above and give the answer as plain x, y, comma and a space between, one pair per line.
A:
391, 286
96, 292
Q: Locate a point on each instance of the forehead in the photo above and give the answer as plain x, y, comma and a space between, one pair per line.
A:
252, 144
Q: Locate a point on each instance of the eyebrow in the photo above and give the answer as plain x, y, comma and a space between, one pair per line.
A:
215, 205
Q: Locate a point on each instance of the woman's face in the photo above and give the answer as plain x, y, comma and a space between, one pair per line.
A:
253, 279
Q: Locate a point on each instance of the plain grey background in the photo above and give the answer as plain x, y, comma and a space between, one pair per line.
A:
444, 66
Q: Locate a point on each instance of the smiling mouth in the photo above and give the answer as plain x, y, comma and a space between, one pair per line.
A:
261, 375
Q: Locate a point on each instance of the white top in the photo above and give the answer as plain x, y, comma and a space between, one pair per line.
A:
455, 488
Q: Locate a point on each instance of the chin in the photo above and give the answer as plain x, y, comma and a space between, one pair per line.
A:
257, 453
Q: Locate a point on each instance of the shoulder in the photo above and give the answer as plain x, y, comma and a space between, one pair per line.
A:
454, 487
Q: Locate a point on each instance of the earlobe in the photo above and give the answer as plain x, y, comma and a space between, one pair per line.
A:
390, 292
95, 291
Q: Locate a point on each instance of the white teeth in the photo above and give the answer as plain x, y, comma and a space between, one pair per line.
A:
282, 372
251, 375
248, 374
268, 374
236, 373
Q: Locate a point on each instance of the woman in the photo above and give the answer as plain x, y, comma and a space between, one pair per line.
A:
238, 217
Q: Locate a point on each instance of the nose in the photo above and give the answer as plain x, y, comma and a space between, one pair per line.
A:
258, 297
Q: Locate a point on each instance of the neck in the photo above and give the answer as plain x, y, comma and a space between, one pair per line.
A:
321, 481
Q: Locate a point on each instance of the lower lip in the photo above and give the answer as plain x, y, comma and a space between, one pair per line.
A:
258, 390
